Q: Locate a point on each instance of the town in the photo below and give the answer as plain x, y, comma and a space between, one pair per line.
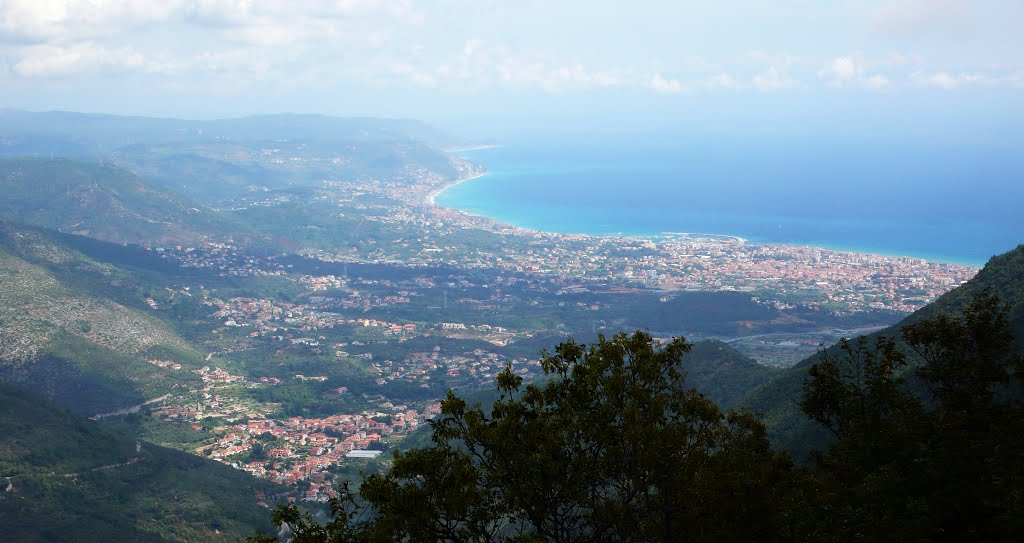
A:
434, 299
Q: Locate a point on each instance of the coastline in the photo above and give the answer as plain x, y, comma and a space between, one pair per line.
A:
438, 190
653, 236
480, 147
666, 236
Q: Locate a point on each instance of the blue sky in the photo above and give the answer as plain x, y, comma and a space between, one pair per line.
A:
490, 67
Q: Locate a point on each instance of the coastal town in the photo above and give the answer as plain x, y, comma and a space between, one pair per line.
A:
418, 233
426, 298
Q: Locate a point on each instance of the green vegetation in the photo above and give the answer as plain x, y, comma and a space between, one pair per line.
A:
76, 330
723, 374
943, 462
627, 440
777, 401
102, 201
616, 448
70, 479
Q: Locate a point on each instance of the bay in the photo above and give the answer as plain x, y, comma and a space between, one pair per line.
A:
950, 204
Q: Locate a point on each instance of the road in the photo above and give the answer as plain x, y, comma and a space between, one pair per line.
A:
853, 332
132, 409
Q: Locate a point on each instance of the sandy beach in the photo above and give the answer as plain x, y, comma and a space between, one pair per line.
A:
433, 194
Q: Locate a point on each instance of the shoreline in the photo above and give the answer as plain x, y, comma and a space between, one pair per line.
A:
432, 195
480, 147
435, 192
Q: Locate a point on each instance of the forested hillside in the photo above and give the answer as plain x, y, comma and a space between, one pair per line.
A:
777, 402
65, 478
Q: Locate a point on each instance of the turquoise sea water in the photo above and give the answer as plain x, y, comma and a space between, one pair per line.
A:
946, 204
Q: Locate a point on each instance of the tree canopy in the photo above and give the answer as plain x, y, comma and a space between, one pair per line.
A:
613, 446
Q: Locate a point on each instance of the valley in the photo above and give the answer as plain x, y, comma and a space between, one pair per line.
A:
296, 308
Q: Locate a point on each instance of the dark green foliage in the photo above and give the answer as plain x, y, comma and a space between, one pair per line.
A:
945, 462
73, 480
723, 374
777, 401
1003, 276
89, 378
613, 447
301, 527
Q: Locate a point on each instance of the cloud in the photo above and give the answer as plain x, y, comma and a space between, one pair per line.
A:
659, 83
477, 64
773, 79
69, 20
947, 81
852, 70
941, 79
55, 60
366, 46
415, 75
877, 82
841, 69
721, 81
229, 62
1016, 79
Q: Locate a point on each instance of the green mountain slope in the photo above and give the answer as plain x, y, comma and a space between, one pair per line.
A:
778, 400
67, 333
223, 161
717, 370
101, 201
64, 478
104, 202
723, 374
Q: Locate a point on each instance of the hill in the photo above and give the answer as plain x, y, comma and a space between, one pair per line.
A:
724, 374
65, 478
75, 330
104, 202
28, 132
226, 160
716, 370
778, 400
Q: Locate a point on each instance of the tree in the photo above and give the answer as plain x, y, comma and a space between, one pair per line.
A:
613, 446
936, 452
300, 527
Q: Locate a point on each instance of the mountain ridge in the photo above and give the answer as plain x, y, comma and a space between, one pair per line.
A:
777, 401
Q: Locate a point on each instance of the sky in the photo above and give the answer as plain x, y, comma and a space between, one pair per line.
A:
864, 68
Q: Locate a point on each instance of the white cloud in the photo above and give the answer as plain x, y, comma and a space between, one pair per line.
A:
1016, 79
876, 82
841, 69
721, 81
852, 70
229, 62
773, 79
369, 45
941, 79
478, 64
659, 83
415, 75
947, 81
55, 60
67, 20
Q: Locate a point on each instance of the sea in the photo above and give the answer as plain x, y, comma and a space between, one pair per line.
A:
956, 204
